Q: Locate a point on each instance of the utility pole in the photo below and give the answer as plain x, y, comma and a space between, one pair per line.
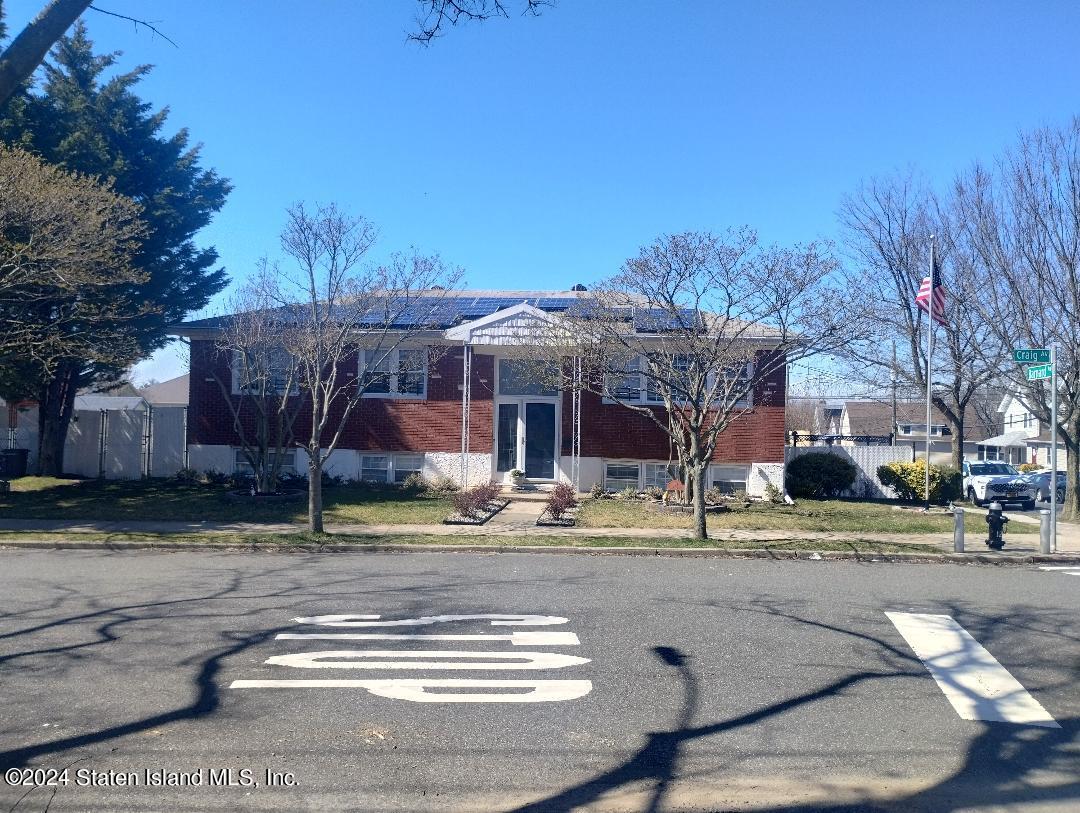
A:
895, 416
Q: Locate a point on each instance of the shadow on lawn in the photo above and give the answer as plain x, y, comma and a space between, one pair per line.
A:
1001, 765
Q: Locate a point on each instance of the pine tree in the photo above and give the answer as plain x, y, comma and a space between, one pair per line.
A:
87, 120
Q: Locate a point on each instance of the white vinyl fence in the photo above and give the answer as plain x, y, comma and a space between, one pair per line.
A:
866, 460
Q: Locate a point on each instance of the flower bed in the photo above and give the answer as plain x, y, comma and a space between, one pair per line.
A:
559, 511
476, 505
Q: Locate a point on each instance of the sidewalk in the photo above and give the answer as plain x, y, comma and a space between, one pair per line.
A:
521, 523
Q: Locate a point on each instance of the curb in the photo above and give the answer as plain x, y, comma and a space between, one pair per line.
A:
677, 553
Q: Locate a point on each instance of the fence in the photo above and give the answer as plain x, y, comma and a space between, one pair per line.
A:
127, 444
866, 460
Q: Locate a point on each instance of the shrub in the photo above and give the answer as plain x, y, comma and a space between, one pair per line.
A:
444, 484
908, 480
715, 496
629, 493
596, 491
416, 483
562, 499
216, 478
773, 494
820, 474
188, 476
655, 492
487, 492
467, 503
1026, 468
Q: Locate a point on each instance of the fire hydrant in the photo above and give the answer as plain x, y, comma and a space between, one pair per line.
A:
996, 522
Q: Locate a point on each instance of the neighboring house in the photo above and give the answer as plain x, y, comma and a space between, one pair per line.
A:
430, 423
171, 393
908, 427
1025, 438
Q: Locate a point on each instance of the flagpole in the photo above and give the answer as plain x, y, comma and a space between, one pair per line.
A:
929, 365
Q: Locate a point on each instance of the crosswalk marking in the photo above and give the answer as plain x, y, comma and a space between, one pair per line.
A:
977, 686
1068, 570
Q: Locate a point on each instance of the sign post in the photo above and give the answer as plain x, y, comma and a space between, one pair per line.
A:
1042, 363
1053, 447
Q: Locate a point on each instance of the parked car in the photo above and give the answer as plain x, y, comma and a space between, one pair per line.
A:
989, 480
1041, 481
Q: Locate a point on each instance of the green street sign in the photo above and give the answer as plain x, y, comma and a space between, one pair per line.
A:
1039, 372
1033, 356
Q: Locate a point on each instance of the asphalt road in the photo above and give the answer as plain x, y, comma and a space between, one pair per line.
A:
712, 684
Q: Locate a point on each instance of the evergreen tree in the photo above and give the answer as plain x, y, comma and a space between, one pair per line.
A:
87, 121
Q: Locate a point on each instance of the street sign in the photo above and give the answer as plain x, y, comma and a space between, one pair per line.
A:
1032, 356
1040, 372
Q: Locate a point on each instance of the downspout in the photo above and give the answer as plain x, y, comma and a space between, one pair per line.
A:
466, 404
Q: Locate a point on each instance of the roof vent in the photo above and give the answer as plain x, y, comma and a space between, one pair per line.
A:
579, 287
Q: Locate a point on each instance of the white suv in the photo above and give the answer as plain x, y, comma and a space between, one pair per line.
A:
989, 480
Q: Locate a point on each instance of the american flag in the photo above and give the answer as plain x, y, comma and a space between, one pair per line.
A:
932, 290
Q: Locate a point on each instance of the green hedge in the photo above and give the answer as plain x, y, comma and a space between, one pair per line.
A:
819, 474
908, 480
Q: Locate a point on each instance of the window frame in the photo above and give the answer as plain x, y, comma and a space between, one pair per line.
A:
744, 468
392, 360
648, 393
242, 466
627, 463
235, 367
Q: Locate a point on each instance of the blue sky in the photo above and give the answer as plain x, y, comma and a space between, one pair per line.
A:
538, 153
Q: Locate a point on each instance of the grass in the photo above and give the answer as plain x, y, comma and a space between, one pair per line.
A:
840, 516
162, 499
285, 541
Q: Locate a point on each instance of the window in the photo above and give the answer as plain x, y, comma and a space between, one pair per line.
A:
990, 453
618, 476
523, 377
288, 462
658, 475
1029, 420
374, 468
905, 429
729, 479
262, 371
407, 464
398, 373
635, 385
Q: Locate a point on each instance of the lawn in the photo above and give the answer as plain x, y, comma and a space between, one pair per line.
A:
842, 516
285, 541
162, 499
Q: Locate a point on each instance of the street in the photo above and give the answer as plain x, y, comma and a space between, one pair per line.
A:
188, 681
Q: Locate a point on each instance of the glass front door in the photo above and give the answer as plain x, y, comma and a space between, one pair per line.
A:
540, 441
526, 438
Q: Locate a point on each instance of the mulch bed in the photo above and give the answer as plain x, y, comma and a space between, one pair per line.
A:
492, 509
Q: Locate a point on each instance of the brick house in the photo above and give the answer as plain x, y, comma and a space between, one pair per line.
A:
426, 421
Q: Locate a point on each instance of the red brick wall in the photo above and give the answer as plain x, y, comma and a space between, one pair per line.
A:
432, 424
613, 431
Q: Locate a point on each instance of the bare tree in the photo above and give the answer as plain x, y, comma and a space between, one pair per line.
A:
345, 324
435, 15
261, 388
697, 330
888, 225
1021, 220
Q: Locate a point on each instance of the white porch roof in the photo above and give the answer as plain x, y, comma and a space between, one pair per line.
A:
1007, 439
511, 326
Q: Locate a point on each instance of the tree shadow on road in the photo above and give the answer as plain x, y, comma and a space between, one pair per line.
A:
1001, 766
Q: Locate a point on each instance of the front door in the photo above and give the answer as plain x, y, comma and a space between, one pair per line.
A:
540, 441
526, 438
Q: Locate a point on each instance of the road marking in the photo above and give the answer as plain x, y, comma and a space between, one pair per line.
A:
976, 685
416, 691
497, 620
436, 690
521, 638
412, 659
1068, 570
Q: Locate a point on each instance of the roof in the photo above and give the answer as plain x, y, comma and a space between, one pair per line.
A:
173, 391
446, 309
875, 418
109, 402
1007, 439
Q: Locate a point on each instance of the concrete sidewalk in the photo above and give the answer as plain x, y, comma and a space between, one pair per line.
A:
522, 524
